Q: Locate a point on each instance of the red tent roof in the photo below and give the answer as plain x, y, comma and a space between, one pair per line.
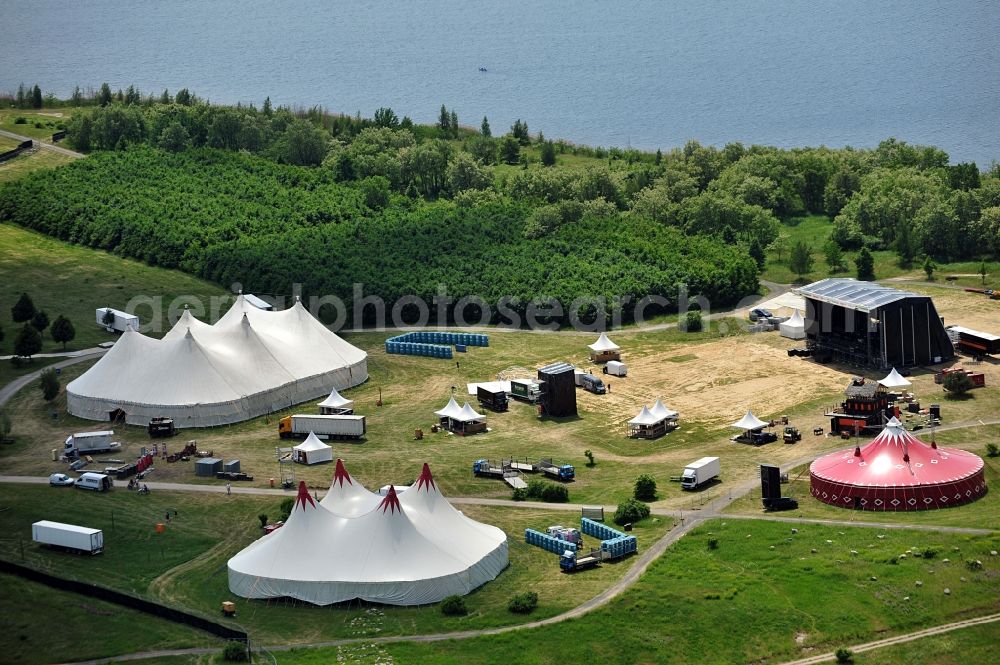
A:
426, 478
340, 474
896, 458
390, 503
304, 496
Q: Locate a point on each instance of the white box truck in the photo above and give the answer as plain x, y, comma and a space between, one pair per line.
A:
84, 443
615, 368
699, 472
338, 427
68, 536
115, 320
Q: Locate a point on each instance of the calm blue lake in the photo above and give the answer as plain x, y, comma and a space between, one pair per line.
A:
645, 74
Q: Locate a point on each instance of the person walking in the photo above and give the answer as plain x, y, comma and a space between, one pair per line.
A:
229, 488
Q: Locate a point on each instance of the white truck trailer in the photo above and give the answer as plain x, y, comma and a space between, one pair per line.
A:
338, 427
116, 320
84, 443
699, 472
68, 536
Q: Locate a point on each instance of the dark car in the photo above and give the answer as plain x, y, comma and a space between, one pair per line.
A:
759, 313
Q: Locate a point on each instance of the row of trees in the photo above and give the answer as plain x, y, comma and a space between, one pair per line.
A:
28, 340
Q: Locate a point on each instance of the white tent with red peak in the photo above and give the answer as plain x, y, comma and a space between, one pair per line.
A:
409, 549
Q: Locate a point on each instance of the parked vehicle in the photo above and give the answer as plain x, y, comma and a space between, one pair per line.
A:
564, 472
100, 482
570, 560
161, 427
791, 434
60, 480
117, 321
525, 390
615, 368
593, 384
68, 536
84, 443
699, 472
760, 313
492, 400
339, 427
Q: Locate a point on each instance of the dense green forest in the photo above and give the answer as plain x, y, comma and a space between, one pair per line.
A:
274, 196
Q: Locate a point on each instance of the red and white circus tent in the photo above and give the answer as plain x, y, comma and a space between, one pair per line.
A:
410, 549
897, 471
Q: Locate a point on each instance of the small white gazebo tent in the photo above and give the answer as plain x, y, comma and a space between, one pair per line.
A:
450, 409
661, 411
749, 423
894, 380
336, 405
604, 350
312, 451
793, 328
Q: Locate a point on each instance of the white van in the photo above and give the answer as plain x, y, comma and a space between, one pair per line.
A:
99, 482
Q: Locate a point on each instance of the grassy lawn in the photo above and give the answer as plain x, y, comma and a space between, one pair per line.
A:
24, 164
185, 567
40, 123
763, 594
24, 604
977, 644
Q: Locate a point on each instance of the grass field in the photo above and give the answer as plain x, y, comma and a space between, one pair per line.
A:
23, 603
185, 566
762, 595
39, 123
977, 644
24, 164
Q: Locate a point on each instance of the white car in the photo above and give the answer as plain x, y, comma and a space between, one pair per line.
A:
60, 479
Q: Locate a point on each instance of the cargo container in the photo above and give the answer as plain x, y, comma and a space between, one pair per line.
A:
83, 443
299, 426
699, 472
68, 536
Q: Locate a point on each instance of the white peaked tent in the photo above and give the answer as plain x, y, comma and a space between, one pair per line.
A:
347, 498
468, 415
793, 328
895, 380
749, 422
603, 344
335, 404
661, 411
249, 363
312, 451
645, 417
450, 410
411, 549
653, 422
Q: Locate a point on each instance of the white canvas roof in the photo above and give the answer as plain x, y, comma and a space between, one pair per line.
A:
749, 422
661, 411
249, 363
603, 344
794, 327
467, 415
346, 496
645, 417
894, 380
312, 444
450, 410
336, 401
492, 386
410, 549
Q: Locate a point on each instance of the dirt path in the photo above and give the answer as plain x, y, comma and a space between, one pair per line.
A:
11, 388
899, 639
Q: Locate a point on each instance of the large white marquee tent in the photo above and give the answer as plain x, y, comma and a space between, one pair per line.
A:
251, 362
408, 549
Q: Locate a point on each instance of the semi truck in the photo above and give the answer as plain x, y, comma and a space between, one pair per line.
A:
494, 400
564, 472
339, 427
114, 320
84, 443
68, 536
699, 472
525, 390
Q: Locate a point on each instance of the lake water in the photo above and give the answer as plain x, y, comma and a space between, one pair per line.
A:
646, 74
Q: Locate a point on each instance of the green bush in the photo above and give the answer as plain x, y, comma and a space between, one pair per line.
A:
645, 488
844, 656
957, 384
693, 322
630, 512
992, 450
20, 120
713, 543
453, 606
523, 603
286, 507
520, 494
235, 652
553, 493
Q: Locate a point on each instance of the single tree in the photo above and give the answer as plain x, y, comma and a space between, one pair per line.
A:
548, 154
40, 321
801, 259
22, 97
484, 128
757, 252
834, 256
49, 385
307, 144
165, 97
510, 150
62, 330
519, 130
77, 97
28, 342
982, 271
266, 109
132, 96
174, 138
23, 309
958, 383
454, 122
109, 318
104, 96
444, 120
659, 157
929, 267
36, 97
645, 488
386, 117
183, 97
865, 264
589, 454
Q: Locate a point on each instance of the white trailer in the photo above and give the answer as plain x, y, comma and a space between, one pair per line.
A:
68, 536
615, 368
699, 472
299, 425
84, 443
116, 320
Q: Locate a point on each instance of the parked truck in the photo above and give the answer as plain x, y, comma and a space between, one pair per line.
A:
564, 472
339, 427
525, 390
68, 536
699, 472
492, 400
483, 468
161, 427
791, 434
84, 443
114, 320
571, 561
